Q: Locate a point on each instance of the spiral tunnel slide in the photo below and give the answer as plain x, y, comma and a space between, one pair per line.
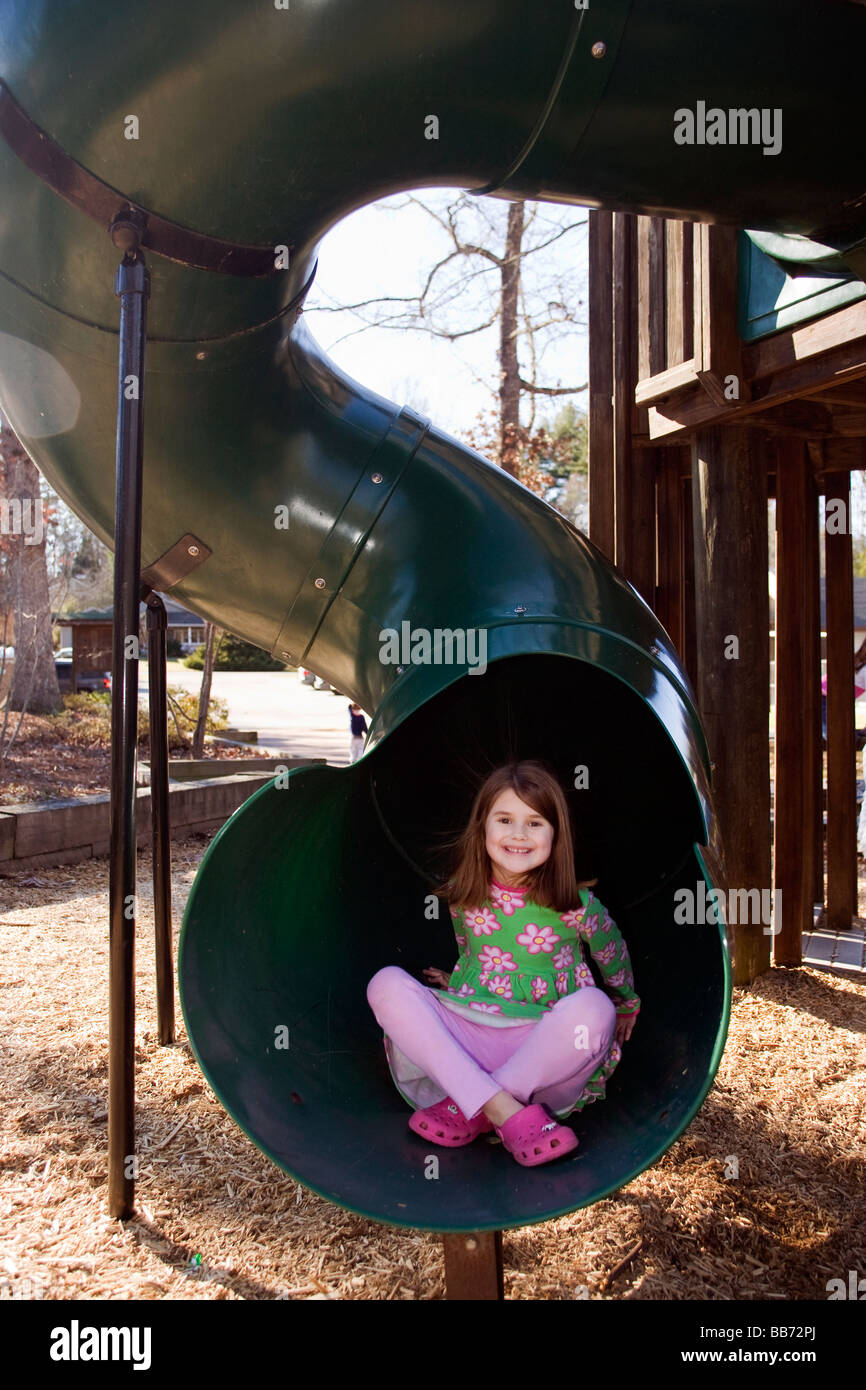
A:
237, 129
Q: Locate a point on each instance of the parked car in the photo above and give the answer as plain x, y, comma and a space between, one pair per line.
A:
87, 680
64, 654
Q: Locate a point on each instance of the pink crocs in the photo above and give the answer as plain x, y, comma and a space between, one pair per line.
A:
445, 1123
532, 1137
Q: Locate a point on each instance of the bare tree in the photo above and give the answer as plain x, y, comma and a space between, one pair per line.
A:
482, 280
212, 634
34, 677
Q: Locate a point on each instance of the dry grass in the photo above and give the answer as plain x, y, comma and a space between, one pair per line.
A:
789, 1101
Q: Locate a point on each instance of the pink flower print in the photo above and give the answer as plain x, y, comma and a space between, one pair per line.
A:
607, 953
462, 991
539, 989
501, 985
455, 913
623, 951
617, 979
564, 958
574, 918
461, 941
583, 976
507, 899
537, 939
562, 982
482, 921
607, 921
487, 1008
629, 980
458, 966
490, 958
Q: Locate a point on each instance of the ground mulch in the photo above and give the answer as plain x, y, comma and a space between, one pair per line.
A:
217, 1220
39, 767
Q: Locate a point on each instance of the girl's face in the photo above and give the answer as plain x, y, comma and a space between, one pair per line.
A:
518, 839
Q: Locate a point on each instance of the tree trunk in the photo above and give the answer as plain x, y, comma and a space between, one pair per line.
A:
204, 697
34, 679
509, 370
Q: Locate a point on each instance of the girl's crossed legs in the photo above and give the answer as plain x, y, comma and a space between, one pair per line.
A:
536, 1062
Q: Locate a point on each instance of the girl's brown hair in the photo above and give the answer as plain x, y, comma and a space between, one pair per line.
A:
553, 884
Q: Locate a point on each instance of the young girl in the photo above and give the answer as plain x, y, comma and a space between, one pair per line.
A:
517, 1035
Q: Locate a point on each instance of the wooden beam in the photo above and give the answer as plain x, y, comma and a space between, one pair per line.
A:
797, 697
601, 467
669, 597
729, 489
718, 349
473, 1266
844, 329
690, 627
841, 756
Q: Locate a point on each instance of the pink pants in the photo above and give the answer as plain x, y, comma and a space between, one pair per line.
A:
537, 1063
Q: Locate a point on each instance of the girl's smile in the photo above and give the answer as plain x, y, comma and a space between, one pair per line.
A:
519, 839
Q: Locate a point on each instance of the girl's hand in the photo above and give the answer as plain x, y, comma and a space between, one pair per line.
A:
437, 977
624, 1025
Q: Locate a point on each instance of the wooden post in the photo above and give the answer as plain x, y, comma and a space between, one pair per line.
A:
473, 1266
671, 537
690, 634
601, 471
841, 756
729, 487
797, 695
634, 468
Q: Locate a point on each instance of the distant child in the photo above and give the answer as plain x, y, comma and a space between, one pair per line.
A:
358, 726
518, 1035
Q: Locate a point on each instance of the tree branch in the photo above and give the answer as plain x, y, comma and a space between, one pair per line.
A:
551, 390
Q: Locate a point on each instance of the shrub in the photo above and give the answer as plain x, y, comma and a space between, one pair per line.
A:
173, 649
233, 654
86, 719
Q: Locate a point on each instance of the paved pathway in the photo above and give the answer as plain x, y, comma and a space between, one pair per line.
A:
290, 717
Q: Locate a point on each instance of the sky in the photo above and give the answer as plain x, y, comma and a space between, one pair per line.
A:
382, 251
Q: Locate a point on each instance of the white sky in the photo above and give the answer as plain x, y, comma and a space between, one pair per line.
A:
381, 251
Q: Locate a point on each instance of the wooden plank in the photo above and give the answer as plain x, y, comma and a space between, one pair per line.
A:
729, 492
692, 408
667, 383
473, 1266
624, 372
646, 309
669, 548
768, 356
688, 281
796, 698
690, 650
718, 349
674, 307
601, 468
658, 359
841, 757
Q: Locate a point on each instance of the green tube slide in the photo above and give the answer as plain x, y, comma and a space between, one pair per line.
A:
242, 133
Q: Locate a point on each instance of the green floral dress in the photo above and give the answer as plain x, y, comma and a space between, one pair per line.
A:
516, 960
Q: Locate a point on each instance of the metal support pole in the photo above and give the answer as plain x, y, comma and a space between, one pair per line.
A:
160, 818
133, 286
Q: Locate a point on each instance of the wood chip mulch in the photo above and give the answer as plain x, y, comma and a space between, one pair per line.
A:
217, 1220
40, 766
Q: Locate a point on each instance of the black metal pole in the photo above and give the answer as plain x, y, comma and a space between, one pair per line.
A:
133, 286
159, 810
